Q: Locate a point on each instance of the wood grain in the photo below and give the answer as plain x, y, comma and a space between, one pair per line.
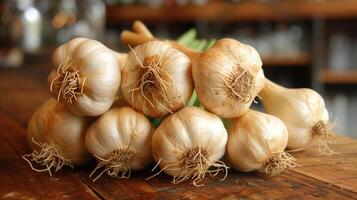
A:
23, 90
19, 182
339, 169
256, 185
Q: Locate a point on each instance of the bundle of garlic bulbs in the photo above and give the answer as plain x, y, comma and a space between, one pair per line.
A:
161, 81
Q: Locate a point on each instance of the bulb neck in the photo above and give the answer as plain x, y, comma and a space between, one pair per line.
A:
134, 39
121, 58
191, 53
141, 28
269, 89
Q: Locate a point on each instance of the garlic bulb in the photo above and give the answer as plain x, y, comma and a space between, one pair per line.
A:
56, 137
304, 113
157, 79
85, 77
257, 140
188, 143
121, 141
227, 77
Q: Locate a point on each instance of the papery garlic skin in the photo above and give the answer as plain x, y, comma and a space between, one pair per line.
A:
95, 74
253, 139
220, 66
145, 92
54, 125
300, 109
186, 130
122, 130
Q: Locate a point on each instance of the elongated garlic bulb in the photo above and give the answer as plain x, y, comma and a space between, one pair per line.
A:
304, 113
157, 79
227, 77
188, 143
121, 141
257, 140
56, 137
85, 77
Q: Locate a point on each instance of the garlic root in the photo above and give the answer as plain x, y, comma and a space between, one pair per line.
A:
240, 82
155, 83
323, 131
194, 165
116, 164
48, 156
68, 81
279, 162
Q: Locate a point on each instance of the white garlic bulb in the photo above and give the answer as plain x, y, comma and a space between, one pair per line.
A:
304, 113
157, 79
189, 143
85, 77
227, 77
57, 137
257, 140
121, 141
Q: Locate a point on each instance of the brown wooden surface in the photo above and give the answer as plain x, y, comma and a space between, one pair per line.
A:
23, 90
225, 11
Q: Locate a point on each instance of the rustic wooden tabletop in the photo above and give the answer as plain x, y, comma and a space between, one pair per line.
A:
22, 90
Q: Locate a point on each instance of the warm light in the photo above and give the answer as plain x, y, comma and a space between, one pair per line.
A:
62, 19
59, 20
32, 15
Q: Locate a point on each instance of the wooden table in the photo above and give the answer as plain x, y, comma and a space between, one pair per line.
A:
23, 90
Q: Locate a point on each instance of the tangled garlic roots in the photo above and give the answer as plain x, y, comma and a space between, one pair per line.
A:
116, 164
154, 82
279, 162
48, 156
240, 84
322, 130
194, 165
67, 82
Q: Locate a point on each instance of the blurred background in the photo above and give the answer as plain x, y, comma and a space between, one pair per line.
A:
303, 43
